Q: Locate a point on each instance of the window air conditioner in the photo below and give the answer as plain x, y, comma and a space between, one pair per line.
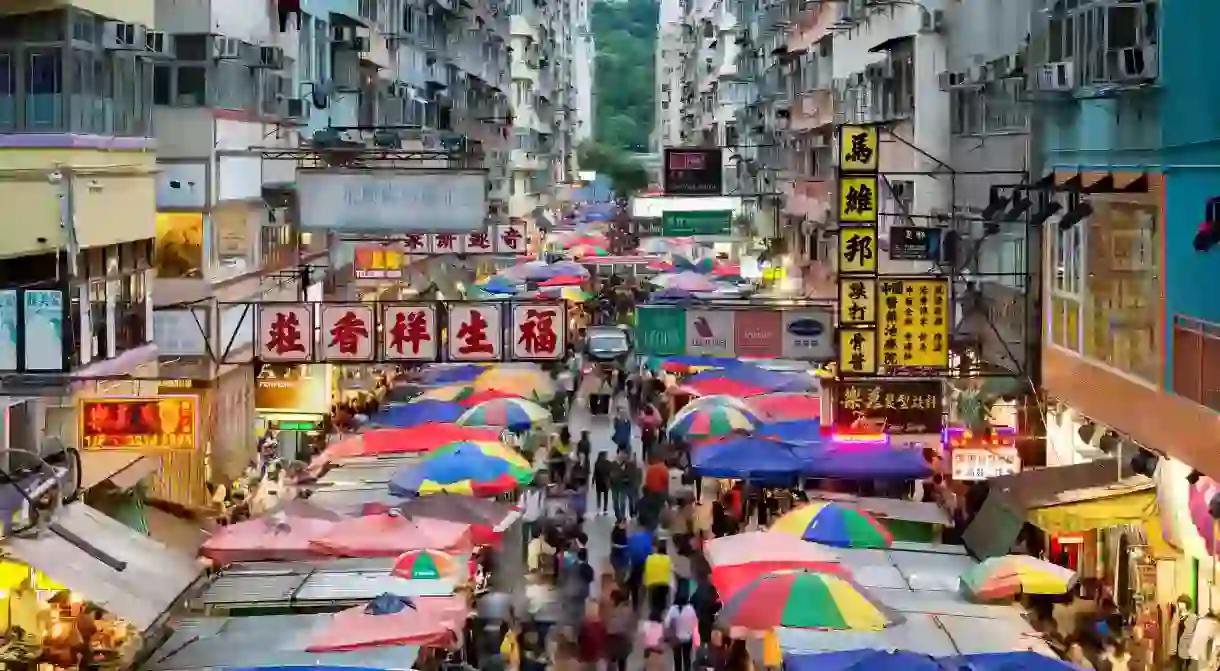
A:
271, 58
297, 108
226, 48
1137, 63
157, 43
121, 36
1056, 76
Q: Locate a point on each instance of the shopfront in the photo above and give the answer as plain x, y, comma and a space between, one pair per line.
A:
292, 401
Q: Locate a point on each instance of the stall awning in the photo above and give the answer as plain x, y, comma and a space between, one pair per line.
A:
1129, 502
128, 574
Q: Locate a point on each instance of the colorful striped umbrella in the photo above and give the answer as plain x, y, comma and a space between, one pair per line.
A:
425, 565
787, 406
582, 251
472, 468
563, 281
574, 294
486, 395
450, 393
514, 414
834, 524
712, 421
808, 600
720, 386
704, 402
527, 382
1010, 576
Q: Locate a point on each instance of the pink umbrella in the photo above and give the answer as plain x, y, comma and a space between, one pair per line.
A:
787, 406
281, 536
393, 620
754, 546
687, 281
563, 281
390, 535
664, 266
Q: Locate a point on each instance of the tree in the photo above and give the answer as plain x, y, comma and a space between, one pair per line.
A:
626, 174
624, 34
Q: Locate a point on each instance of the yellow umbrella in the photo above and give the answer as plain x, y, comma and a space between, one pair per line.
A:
531, 382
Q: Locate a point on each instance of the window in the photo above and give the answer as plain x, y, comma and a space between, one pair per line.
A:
43, 86
305, 50
276, 244
235, 86
1094, 34
1003, 108
1196, 361
8, 91
192, 86
1067, 285
966, 111
321, 54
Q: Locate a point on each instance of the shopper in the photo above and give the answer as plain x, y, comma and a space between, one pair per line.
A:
622, 429
681, 623
639, 548
584, 448
658, 573
620, 626
602, 472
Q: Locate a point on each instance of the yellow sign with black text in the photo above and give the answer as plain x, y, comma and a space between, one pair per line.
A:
858, 250
858, 200
858, 149
857, 351
913, 322
857, 300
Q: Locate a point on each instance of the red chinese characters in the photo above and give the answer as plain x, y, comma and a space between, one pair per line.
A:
348, 332
410, 332
539, 331
285, 333
447, 243
509, 240
475, 332
477, 243
416, 243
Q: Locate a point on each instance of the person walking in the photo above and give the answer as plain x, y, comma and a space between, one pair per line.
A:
658, 573
602, 471
584, 448
620, 626
639, 547
622, 429
680, 626
532, 504
620, 484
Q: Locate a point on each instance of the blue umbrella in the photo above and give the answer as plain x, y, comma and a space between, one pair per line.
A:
499, 285
761, 377
868, 660
803, 432
420, 412
1024, 660
749, 457
452, 374
865, 462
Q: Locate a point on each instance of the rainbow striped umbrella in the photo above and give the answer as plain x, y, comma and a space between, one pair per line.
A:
712, 421
806, 599
834, 524
424, 565
527, 382
473, 468
450, 393
1010, 576
514, 414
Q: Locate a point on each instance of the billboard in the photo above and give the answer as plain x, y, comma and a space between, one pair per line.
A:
801, 333
500, 239
377, 262
701, 222
693, 172
392, 201
889, 406
299, 388
138, 422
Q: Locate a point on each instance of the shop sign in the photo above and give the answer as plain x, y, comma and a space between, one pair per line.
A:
980, 457
915, 243
347, 332
693, 172
411, 332
684, 224
858, 200
392, 202
539, 332
292, 388
858, 301
124, 423
859, 149
857, 351
796, 333
285, 332
913, 320
857, 262
889, 406
476, 332
376, 262
423, 244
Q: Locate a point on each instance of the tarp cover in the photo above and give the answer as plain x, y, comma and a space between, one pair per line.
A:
393, 620
390, 535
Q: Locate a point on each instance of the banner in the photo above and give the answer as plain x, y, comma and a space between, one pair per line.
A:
790, 333
301, 388
126, 423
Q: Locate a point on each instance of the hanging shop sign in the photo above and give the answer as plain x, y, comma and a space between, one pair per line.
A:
858, 301
857, 351
292, 388
693, 172
858, 250
685, 224
805, 333
913, 320
392, 202
375, 262
915, 243
154, 422
889, 406
981, 457
859, 149
396, 332
480, 242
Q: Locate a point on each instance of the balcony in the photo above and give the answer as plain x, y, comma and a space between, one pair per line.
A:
812, 110
522, 159
811, 25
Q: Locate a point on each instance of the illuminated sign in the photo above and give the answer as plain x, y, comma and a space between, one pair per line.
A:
982, 456
857, 264
889, 406
158, 422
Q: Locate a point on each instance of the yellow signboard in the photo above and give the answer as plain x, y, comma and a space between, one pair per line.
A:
858, 149
858, 250
857, 300
857, 351
858, 200
913, 322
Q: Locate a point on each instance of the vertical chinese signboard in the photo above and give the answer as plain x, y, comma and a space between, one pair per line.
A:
859, 160
913, 322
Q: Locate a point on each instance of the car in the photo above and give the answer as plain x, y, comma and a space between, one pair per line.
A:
607, 343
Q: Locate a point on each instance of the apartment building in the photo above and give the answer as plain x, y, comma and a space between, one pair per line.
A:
669, 58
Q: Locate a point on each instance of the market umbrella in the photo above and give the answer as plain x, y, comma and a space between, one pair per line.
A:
582, 251
739, 559
488, 519
767, 380
870, 660
664, 245
276, 537
393, 620
747, 457
852, 461
419, 438
719, 386
687, 363
787, 406
563, 281
497, 284
804, 432
1010, 576
451, 393
712, 421
514, 414
704, 266
527, 381
485, 395
1021, 660
805, 599
573, 294
425, 565
671, 294
451, 374
687, 281
579, 239
661, 266
728, 271
476, 469
713, 400
390, 535
412, 414
834, 524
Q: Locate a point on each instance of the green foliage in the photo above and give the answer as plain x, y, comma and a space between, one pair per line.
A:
625, 173
624, 33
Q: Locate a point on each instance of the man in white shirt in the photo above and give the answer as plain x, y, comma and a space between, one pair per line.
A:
533, 505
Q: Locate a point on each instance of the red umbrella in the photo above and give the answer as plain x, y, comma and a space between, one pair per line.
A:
722, 385
590, 240
393, 620
663, 266
419, 438
727, 270
282, 536
563, 281
487, 395
391, 535
737, 560
787, 407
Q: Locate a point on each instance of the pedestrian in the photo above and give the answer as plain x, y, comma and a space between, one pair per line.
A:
619, 485
622, 429
602, 471
680, 624
584, 448
620, 560
650, 636
532, 505
533, 652
639, 547
592, 639
707, 605
656, 491
714, 652
658, 573
620, 625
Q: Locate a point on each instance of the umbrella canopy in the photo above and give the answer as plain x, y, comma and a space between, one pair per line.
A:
805, 599
834, 524
563, 281
276, 537
420, 438
1010, 576
476, 469
688, 363
714, 385
1024, 660
452, 374
714, 400
870, 660
787, 406
393, 620
525, 381
514, 414
712, 421
425, 565
748, 457
661, 265
573, 294
768, 380
457, 508
738, 560
671, 294
867, 462
497, 284
660, 245
582, 251
807, 432
449, 393
485, 395
390, 535
411, 414
728, 271
688, 281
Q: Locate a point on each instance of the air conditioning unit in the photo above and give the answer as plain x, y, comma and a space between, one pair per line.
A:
932, 21
948, 81
342, 34
121, 36
1056, 76
855, 80
1137, 63
361, 44
157, 43
271, 58
297, 108
226, 48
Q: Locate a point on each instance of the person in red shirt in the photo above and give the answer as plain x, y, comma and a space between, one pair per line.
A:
593, 640
656, 478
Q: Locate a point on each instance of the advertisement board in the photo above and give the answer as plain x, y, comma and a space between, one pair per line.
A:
693, 172
32, 323
889, 406
378, 262
388, 201
683, 224
299, 388
125, 423
801, 333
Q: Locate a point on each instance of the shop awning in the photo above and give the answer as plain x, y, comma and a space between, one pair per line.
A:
128, 574
1128, 502
122, 468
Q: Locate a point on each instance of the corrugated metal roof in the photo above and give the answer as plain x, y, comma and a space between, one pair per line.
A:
284, 567
252, 588
312, 588
361, 586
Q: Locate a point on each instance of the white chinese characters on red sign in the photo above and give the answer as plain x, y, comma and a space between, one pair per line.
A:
510, 239
539, 331
347, 332
285, 332
475, 332
410, 332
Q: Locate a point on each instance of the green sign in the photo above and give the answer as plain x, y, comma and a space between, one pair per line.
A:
660, 330
712, 222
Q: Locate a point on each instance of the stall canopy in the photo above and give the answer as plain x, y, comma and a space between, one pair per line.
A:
283, 535
868, 462
391, 535
747, 457
128, 574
